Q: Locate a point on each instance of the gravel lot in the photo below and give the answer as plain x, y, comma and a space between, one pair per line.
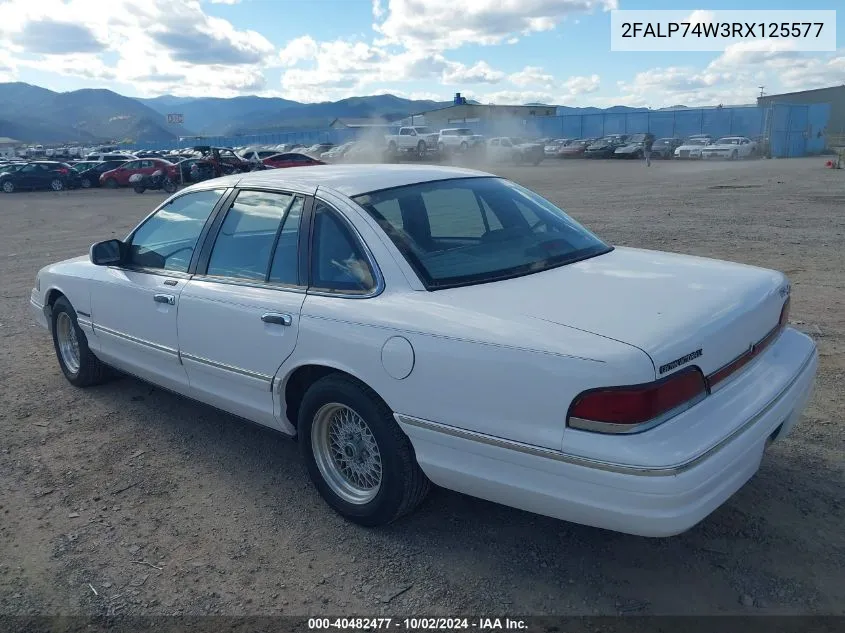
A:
169, 507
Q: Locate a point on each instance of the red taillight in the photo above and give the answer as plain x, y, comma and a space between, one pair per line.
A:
637, 407
64, 171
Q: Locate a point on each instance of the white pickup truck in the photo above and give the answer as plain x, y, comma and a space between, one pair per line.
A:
417, 139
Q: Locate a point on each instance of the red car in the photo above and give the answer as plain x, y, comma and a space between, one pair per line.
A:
291, 160
120, 177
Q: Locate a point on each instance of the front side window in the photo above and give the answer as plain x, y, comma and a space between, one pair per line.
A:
338, 262
476, 230
245, 243
167, 239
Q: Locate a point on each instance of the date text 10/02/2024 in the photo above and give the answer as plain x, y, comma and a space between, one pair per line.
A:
418, 624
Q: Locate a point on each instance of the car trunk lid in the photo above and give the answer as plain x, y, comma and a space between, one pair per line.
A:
680, 310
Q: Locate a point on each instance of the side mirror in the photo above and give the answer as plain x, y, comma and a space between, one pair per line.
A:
107, 253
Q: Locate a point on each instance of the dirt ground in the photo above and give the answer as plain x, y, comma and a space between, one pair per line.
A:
164, 506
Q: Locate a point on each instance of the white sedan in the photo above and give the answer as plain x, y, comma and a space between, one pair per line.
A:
691, 147
418, 324
730, 147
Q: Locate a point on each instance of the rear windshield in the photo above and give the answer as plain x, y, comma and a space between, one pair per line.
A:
475, 230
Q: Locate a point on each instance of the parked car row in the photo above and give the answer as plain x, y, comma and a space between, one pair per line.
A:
141, 171
108, 167
697, 146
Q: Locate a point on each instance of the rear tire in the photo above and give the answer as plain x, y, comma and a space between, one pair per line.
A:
8, 187
85, 183
56, 184
139, 189
338, 411
77, 362
169, 186
421, 149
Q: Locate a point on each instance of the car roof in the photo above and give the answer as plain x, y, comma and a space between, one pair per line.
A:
350, 180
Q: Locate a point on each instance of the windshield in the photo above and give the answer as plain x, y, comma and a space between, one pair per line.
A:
728, 140
696, 141
476, 230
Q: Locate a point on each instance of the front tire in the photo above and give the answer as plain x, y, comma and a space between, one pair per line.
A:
169, 186
77, 362
56, 184
85, 183
111, 183
421, 149
361, 462
8, 187
139, 188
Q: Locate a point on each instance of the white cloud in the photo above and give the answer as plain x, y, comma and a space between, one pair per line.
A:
661, 87
225, 1
582, 85
159, 45
517, 97
297, 50
779, 66
441, 24
8, 66
481, 72
531, 76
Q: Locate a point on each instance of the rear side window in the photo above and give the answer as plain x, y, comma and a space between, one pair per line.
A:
338, 262
476, 230
245, 242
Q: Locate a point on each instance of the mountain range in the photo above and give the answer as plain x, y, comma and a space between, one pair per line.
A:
36, 115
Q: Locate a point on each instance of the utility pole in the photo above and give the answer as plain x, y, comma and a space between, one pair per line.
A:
761, 90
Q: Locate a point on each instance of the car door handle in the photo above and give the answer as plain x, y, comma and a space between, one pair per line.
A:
168, 299
278, 319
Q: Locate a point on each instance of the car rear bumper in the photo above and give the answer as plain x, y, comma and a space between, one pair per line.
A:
645, 501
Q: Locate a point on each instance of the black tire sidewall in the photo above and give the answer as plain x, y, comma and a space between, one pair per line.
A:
384, 507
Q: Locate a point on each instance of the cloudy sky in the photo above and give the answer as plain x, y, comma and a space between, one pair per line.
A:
504, 51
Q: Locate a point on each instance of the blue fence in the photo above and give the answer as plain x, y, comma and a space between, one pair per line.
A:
793, 130
797, 129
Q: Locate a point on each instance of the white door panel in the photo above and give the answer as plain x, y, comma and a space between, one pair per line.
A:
233, 338
134, 317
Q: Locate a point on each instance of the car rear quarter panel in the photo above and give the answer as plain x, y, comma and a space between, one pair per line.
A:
477, 372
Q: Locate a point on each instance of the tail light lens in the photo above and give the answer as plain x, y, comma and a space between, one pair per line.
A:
637, 407
64, 171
